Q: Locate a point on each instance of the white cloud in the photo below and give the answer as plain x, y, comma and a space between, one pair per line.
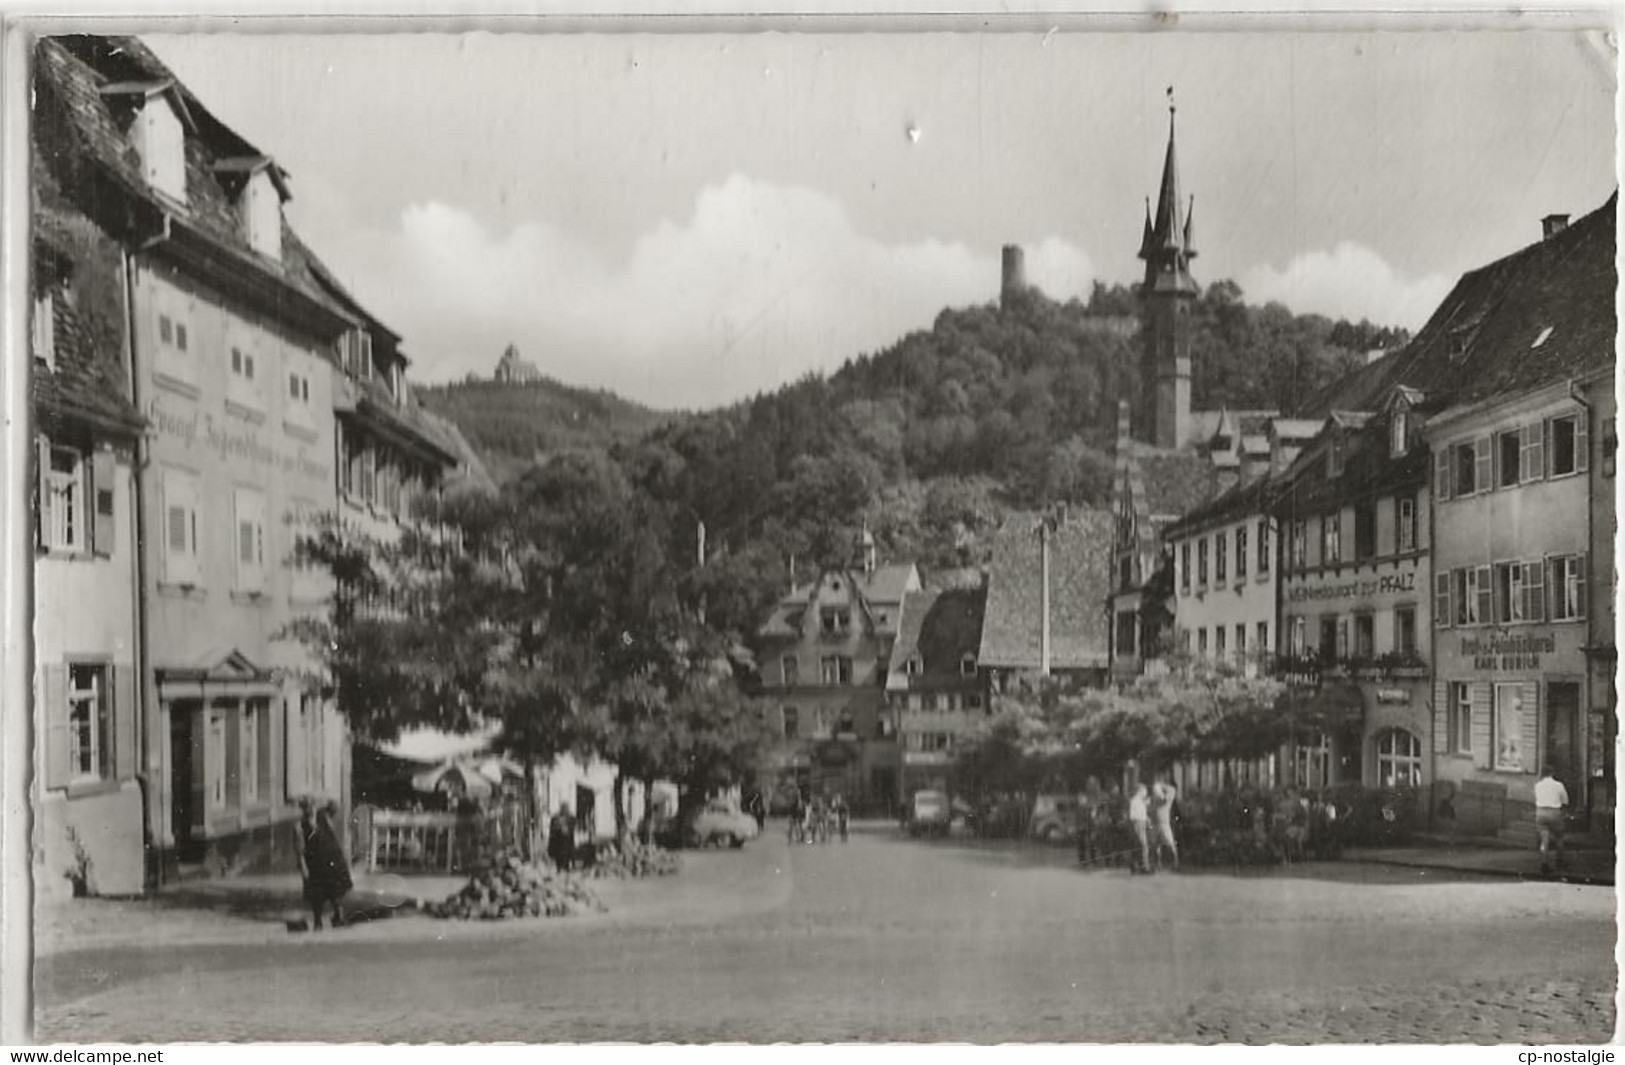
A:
1350, 281
761, 284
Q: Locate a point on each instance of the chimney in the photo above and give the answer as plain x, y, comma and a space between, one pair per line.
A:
1043, 638
1552, 225
1015, 275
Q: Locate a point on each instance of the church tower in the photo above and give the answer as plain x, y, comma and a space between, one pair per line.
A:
1165, 362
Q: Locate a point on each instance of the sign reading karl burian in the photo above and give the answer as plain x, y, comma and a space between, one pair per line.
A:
1507, 651
200, 429
1359, 589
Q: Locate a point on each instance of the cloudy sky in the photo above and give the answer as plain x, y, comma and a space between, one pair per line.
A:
688, 219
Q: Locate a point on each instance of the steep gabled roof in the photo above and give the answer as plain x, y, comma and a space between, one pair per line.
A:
1175, 481
1080, 581
86, 385
1535, 317
1249, 497
1370, 469
941, 627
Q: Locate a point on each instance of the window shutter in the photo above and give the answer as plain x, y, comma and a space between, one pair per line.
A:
1529, 740
1582, 441
55, 715
1441, 600
103, 482
1441, 717
42, 491
1580, 564
1533, 465
1483, 478
1441, 474
127, 759
1485, 607
1534, 585
1483, 749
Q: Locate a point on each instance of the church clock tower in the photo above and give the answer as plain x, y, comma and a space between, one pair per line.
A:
1165, 362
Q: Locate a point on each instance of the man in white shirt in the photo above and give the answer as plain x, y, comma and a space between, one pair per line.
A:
1550, 799
1139, 819
1163, 794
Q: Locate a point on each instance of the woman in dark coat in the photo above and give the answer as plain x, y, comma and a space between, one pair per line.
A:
323, 865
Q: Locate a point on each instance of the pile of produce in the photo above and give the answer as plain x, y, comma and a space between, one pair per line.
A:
633, 859
506, 886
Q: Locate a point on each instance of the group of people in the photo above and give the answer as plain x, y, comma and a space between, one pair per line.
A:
812, 820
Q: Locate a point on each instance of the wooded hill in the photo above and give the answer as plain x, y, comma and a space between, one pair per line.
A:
930, 441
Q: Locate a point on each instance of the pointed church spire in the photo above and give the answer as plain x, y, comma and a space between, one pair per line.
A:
1168, 252
1146, 238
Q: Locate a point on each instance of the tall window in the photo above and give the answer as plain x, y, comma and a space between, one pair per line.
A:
1241, 643
1221, 551
1470, 467
89, 723
1365, 532
1398, 440
1328, 637
1472, 595
1185, 566
792, 670
1263, 547
792, 722
1331, 539
1201, 562
1298, 545
1218, 642
42, 337
1241, 552
1298, 646
836, 670
182, 563
1405, 511
1261, 644
1460, 722
1312, 762
1399, 759
249, 539
1125, 632
1568, 588
64, 518
1201, 642
1568, 443
1441, 600
1365, 636
1405, 630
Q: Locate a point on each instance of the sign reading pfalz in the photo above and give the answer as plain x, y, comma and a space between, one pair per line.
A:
1507, 651
1394, 582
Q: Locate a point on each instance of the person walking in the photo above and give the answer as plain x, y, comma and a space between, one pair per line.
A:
1139, 820
841, 814
322, 864
561, 839
1163, 797
1551, 799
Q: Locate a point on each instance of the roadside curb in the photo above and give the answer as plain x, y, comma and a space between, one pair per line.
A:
1576, 878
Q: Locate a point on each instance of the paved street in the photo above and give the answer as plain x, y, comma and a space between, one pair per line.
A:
890, 939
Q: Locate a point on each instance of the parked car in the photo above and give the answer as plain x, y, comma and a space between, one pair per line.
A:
929, 813
718, 822
1055, 818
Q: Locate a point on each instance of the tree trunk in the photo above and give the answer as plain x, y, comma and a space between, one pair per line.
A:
648, 811
620, 808
530, 849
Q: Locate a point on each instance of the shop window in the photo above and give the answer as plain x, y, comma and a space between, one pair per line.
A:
1399, 759
90, 733
1508, 727
1312, 762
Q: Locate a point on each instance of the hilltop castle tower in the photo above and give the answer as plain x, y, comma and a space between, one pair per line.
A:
1165, 361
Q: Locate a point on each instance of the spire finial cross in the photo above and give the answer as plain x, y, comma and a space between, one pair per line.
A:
1171, 99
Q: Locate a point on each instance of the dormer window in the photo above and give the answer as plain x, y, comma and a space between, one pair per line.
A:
161, 143
1334, 457
1398, 431
260, 214
914, 666
967, 665
43, 336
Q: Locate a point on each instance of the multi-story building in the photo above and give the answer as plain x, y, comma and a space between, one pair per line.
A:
87, 798
823, 656
232, 333
1354, 603
1047, 583
1523, 467
1225, 579
936, 687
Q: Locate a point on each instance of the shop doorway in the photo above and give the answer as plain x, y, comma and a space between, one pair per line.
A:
1562, 735
183, 759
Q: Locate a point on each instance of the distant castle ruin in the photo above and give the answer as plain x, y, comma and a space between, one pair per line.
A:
511, 369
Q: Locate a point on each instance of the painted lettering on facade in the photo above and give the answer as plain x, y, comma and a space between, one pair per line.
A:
1507, 652
1394, 582
199, 429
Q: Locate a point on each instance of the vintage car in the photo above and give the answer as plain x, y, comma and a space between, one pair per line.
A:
717, 822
